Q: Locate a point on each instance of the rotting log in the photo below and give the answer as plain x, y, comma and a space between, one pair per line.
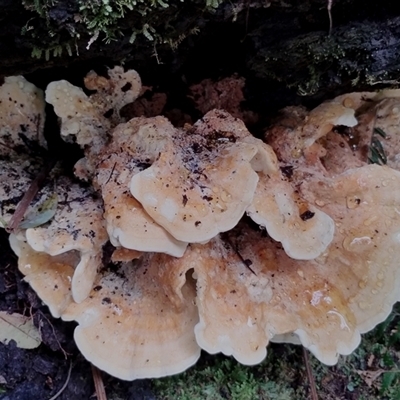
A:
281, 43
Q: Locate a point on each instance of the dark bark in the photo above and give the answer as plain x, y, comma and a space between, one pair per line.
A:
358, 55
275, 44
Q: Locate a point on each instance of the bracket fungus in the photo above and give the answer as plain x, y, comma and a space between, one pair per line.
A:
304, 231
375, 139
77, 226
88, 119
188, 272
128, 326
198, 185
128, 224
327, 302
22, 113
49, 276
112, 93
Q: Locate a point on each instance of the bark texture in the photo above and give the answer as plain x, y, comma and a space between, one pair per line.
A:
279, 43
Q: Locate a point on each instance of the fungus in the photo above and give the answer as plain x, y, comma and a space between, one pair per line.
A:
22, 114
128, 224
128, 326
199, 183
77, 226
376, 133
344, 147
21, 134
294, 136
323, 118
76, 221
230, 299
304, 231
88, 119
49, 276
124, 255
326, 302
113, 93
16, 174
80, 119
333, 276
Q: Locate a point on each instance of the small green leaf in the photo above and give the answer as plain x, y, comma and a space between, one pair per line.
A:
3, 222
380, 132
44, 213
377, 153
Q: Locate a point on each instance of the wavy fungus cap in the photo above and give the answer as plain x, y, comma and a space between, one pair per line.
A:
132, 147
77, 227
197, 184
22, 114
127, 326
248, 286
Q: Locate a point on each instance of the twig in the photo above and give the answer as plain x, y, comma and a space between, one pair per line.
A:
98, 384
29, 196
246, 262
329, 8
54, 334
112, 172
65, 384
311, 380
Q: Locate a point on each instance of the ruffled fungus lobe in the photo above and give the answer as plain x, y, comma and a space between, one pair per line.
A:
49, 276
113, 93
375, 139
128, 224
304, 231
77, 226
231, 300
129, 328
88, 119
80, 119
21, 133
323, 118
198, 184
294, 135
327, 302
21, 114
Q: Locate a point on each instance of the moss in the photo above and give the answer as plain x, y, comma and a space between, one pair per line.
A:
223, 378
282, 376
69, 24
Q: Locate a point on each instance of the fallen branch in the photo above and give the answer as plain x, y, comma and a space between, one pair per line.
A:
311, 380
98, 384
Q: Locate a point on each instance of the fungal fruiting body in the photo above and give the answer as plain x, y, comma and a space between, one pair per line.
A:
187, 269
